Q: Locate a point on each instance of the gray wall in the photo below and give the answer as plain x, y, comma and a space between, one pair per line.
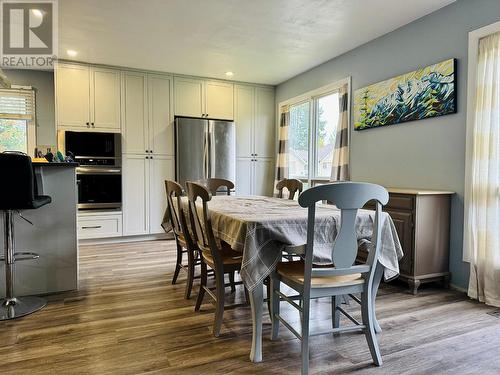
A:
422, 154
43, 81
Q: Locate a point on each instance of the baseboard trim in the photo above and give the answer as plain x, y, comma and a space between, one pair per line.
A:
458, 288
112, 240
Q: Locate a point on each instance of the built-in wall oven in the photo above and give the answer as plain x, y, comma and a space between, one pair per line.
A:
99, 176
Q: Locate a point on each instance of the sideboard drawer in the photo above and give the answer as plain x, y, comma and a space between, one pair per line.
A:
401, 202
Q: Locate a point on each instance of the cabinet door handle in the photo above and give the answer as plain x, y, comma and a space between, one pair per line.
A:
88, 124
93, 227
93, 125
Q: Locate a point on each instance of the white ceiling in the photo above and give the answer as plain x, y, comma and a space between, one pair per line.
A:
261, 41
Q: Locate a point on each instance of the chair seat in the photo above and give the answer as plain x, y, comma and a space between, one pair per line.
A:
294, 271
229, 256
37, 202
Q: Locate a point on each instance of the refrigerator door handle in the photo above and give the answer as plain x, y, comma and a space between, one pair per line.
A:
212, 150
205, 154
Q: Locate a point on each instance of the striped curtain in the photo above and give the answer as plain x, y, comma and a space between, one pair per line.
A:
282, 159
482, 224
340, 163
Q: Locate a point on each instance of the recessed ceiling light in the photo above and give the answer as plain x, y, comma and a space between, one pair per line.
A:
71, 52
37, 12
229, 74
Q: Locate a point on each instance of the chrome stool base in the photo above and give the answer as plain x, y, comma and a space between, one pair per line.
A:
20, 306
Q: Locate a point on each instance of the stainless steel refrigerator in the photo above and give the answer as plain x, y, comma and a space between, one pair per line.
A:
204, 149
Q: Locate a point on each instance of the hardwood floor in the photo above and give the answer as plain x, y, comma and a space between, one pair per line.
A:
128, 319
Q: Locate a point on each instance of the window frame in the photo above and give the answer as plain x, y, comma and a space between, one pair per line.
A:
30, 123
312, 97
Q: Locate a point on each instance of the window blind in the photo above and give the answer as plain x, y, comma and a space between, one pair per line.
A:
17, 104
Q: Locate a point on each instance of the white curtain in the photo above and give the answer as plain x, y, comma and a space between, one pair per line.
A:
340, 162
483, 215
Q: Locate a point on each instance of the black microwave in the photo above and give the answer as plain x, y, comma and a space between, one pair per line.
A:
92, 148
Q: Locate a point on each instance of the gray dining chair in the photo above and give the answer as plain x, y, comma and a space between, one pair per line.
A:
215, 184
183, 239
214, 254
292, 185
343, 276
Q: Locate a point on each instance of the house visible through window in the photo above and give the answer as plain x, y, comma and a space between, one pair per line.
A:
313, 127
17, 120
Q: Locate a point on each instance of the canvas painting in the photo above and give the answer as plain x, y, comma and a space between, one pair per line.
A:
423, 93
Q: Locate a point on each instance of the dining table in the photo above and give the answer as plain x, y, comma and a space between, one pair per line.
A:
262, 227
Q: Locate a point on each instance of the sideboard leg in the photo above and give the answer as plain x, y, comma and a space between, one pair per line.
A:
414, 284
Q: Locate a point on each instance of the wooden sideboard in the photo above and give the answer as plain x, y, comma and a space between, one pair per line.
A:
422, 220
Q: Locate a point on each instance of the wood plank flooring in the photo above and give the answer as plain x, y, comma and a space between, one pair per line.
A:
127, 318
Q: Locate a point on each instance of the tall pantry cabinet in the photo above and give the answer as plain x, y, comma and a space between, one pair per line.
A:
148, 152
254, 109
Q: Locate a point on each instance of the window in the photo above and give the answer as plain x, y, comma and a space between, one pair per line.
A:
313, 127
327, 117
299, 141
17, 120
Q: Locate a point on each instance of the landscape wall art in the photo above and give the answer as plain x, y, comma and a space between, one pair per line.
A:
423, 93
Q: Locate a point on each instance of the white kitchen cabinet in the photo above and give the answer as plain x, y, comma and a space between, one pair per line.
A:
135, 115
161, 169
203, 98
255, 176
244, 176
265, 123
105, 98
135, 194
219, 100
161, 119
144, 199
73, 96
147, 116
255, 139
263, 176
189, 97
255, 121
87, 98
244, 115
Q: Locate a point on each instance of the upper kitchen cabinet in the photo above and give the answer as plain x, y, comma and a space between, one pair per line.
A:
147, 115
189, 97
105, 98
161, 119
202, 98
135, 115
219, 100
87, 97
73, 96
255, 121
265, 129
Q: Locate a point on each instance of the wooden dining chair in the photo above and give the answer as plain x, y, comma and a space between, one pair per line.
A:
218, 256
214, 184
343, 277
292, 185
184, 241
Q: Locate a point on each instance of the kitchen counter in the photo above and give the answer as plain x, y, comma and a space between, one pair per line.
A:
53, 235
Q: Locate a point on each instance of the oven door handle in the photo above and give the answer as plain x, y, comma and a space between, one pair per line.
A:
86, 170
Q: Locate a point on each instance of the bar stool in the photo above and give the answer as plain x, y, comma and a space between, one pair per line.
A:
17, 192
